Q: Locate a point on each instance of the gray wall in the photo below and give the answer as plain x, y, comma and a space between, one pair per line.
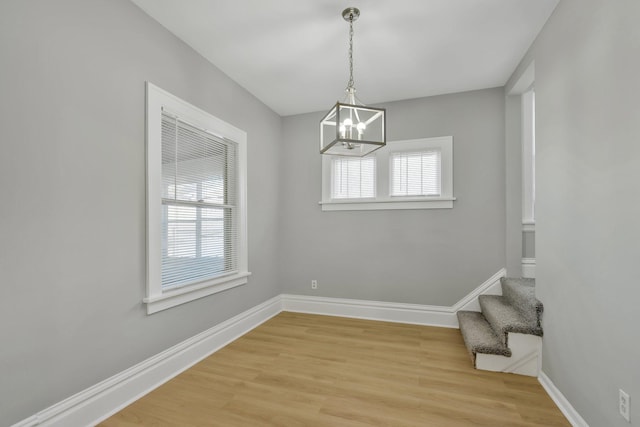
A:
513, 185
414, 256
72, 215
72, 180
587, 62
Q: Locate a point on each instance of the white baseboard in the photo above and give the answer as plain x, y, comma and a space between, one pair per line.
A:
561, 402
417, 314
529, 268
104, 399
372, 310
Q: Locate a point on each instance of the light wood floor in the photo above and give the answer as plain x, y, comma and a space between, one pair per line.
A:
308, 370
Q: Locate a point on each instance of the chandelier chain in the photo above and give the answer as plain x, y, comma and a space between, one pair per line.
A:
350, 84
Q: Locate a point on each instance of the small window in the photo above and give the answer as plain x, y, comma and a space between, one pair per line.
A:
411, 174
196, 203
415, 173
353, 178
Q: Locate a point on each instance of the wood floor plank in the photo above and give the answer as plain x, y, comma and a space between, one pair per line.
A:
309, 370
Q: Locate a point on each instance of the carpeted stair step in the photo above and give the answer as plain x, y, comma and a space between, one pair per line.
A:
520, 293
478, 335
504, 317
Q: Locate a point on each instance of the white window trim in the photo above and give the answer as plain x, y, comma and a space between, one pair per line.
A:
156, 299
528, 158
383, 201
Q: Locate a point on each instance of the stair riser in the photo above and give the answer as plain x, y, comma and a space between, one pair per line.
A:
525, 359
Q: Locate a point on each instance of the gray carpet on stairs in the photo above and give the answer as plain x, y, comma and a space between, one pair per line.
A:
517, 310
521, 294
504, 318
478, 335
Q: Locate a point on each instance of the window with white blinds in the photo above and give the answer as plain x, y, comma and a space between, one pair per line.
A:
407, 174
196, 203
353, 178
415, 173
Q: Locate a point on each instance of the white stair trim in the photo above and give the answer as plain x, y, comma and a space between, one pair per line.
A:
561, 402
491, 286
527, 363
526, 355
529, 268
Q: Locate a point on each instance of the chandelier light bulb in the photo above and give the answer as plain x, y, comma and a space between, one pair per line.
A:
361, 127
348, 122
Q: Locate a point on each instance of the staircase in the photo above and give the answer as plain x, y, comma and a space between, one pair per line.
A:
506, 336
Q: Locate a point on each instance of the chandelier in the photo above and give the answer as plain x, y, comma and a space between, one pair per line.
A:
351, 128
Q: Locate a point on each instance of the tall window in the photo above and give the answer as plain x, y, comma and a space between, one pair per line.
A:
198, 204
196, 209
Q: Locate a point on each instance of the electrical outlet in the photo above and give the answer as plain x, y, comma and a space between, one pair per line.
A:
623, 405
314, 284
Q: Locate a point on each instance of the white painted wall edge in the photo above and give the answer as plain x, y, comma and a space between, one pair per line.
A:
102, 400
529, 268
561, 402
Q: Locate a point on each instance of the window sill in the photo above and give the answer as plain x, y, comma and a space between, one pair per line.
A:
389, 204
171, 298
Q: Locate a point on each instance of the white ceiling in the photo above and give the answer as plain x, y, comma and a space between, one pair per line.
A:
292, 54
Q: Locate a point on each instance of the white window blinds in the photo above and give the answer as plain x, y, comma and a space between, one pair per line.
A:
199, 192
415, 173
353, 178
